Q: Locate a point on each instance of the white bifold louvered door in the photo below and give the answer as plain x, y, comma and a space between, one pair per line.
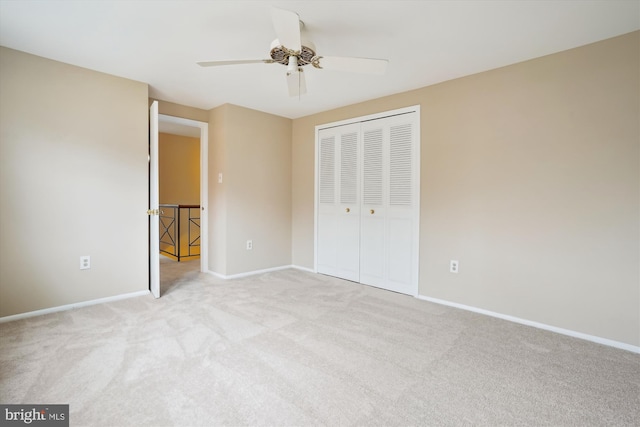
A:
339, 202
368, 202
389, 219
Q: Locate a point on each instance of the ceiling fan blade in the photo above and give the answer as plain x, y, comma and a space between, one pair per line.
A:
296, 83
287, 26
234, 62
355, 65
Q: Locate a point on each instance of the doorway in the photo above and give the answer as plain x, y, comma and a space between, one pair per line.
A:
178, 126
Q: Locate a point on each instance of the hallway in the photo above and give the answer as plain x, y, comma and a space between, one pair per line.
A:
172, 272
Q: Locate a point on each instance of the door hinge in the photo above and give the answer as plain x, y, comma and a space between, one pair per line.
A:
153, 212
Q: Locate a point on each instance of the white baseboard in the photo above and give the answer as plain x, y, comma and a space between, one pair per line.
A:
587, 337
72, 306
249, 273
266, 270
308, 270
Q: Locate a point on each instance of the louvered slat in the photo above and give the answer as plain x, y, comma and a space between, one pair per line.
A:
349, 168
327, 170
372, 173
400, 173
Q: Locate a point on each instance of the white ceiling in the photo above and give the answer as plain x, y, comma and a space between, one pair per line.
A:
426, 42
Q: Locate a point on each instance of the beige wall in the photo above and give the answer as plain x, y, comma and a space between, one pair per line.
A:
179, 169
217, 191
531, 179
73, 165
253, 151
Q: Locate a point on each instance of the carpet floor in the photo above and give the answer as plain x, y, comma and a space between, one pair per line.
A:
292, 348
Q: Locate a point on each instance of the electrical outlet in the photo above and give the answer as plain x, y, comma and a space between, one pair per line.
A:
249, 245
453, 266
85, 262
220, 178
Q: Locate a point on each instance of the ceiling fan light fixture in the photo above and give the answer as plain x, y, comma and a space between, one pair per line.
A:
292, 67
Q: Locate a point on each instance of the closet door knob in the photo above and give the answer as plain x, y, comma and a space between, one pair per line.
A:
348, 210
372, 211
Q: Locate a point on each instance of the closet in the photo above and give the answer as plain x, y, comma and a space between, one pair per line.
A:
368, 200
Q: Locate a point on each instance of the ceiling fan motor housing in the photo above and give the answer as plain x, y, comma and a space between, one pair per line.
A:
281, 54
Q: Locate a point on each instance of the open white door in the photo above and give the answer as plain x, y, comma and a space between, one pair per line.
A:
154, 191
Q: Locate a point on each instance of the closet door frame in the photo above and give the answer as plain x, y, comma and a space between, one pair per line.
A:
416, 188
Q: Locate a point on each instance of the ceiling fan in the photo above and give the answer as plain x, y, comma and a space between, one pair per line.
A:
291, 50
